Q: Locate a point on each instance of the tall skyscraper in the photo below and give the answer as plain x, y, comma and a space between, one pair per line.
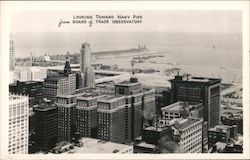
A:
18, 124
31, 59
12, 55
85, 57
140, 106
201, 90
66, 108
111, 117
88, 75
86, 115
119, 115
45, 136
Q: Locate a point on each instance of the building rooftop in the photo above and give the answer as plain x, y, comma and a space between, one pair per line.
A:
79, 92
188, 77
146, 145
56, 78
221, 145
14, 97
26, 82
91, 145
131, 82
182, 123
178, 106
230, 115
219, 128
90, 96
154, 128
45, 106
239, 141
111, 98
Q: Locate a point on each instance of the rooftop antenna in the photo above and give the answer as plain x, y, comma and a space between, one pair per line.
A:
132, 67
31, 59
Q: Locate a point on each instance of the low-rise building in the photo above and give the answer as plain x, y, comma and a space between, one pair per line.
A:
155, 139
91, 145
188, 133
31, 88
231, 119
34, 73
221, 133
182, 109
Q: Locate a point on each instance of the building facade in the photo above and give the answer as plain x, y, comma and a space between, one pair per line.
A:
140, 106
111, 117
60, 84
69, 115
182, 109
54, 86
18, 124
85, 68
45, 136
231, 119
198, 90
66, 108
188, 133
31, 88
87, 116
33, 73
221, 133
12, 55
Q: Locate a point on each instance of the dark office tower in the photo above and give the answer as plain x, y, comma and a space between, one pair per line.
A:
45, 136
162, 98
198, 89
86, 115
31, 88
12, 55
111, 117
140, 106
79, 80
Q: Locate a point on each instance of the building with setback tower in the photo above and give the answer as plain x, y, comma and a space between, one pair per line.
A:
60, 84
139, 108
201, 90
87, 72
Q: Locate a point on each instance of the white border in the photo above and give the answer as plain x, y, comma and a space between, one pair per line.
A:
7, 7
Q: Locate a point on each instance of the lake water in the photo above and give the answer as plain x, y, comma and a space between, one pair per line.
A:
202, 54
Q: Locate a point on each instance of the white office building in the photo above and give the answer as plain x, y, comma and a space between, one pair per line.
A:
189, 133
34, 73
18, 124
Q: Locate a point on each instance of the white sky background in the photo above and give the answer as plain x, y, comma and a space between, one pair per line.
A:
37, 31
212, 21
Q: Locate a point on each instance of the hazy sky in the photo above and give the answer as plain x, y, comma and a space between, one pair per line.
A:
38, 31
169, 21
